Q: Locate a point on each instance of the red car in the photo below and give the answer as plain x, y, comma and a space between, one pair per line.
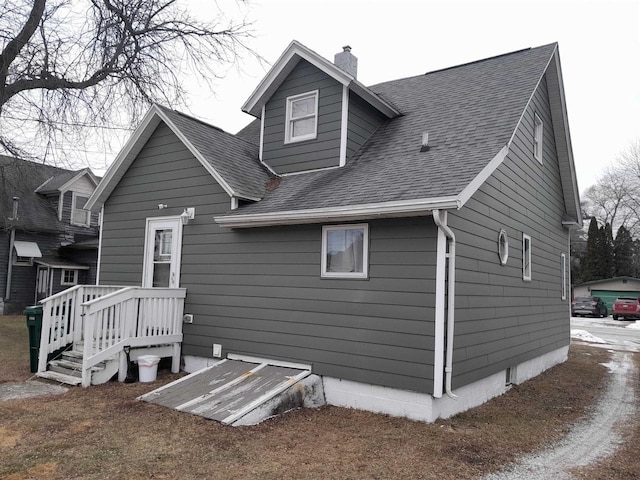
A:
626, 308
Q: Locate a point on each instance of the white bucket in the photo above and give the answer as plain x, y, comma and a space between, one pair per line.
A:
148, 368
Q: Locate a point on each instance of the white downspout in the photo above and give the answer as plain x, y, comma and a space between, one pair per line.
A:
440, 219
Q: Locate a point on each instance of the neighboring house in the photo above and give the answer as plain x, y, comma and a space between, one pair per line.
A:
49, 241
407, 240
609, 289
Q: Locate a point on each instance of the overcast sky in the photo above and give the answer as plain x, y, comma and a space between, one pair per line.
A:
599, 50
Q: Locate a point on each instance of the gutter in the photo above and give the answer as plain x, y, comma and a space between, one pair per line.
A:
440, 219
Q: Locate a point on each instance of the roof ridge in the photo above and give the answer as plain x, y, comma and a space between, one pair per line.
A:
37, 164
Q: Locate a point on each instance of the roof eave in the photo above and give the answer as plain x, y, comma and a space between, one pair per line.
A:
282, 67
339, 214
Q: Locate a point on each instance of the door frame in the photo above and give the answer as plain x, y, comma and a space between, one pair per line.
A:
176, 254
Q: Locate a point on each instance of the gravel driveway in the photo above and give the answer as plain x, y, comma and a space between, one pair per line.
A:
590, 440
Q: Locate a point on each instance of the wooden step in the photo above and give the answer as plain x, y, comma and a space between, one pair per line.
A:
60, 377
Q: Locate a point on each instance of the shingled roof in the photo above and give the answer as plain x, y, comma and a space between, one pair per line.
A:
471, 113
21, 178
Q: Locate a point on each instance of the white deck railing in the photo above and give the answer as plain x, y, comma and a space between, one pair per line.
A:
62, 318
109, 318
132, 316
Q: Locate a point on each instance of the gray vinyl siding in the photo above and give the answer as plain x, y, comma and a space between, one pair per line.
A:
363, 120
324, 150
502, 320
259, 292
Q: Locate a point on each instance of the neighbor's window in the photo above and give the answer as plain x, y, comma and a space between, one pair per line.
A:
69, 277
22, 261
302, 117
563, 267
526, 257
79, 216
538, 131
503, 247
345, 251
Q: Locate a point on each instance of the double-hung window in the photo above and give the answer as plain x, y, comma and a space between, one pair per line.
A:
302, 117
80, 216
345, 251
538, 131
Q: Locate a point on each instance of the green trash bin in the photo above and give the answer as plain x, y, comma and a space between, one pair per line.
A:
34, 325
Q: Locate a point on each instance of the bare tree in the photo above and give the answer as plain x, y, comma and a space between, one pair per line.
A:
615, 198
67, 65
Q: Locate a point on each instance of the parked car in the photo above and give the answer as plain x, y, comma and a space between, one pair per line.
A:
588, 306
626, 308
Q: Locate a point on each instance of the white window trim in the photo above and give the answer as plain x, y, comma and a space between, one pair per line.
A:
73, 209
365, 251
289, 101
75, 276
526, 257
504, 256
18, 262
563, 266
538, 137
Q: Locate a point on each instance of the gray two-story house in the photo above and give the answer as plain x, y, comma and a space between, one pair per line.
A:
408, 241
48, 241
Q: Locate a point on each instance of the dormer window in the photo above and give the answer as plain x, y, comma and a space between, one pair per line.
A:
79, 216
302, 117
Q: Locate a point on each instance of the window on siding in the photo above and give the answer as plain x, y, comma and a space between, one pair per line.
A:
79, 216
538, 131
563, 267
69, 277
503, 247
526, 257
302, 117
345, 251
22, 261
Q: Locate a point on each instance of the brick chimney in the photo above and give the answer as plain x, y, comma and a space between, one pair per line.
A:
346, 61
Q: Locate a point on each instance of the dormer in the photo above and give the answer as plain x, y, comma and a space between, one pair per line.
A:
69, 193
314, 114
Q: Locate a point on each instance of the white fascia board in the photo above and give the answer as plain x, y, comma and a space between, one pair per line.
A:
484, 174
78, 176
339, 214
254, 104
294, 48
41, 187
124, 159
567, 135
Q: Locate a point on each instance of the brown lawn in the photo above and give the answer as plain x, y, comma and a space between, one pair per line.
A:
103, 432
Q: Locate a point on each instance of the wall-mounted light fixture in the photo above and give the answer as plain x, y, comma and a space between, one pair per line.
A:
425, 142
188, 214
161, 206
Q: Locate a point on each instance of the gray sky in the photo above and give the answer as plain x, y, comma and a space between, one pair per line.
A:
599, 50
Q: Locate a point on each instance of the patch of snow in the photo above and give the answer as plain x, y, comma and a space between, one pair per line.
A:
586, 336
634, 326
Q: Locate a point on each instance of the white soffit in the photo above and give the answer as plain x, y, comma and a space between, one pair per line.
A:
27, 249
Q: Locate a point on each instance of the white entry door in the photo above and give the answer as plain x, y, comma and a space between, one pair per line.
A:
162, 252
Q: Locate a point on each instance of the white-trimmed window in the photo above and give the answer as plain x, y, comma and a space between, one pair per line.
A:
302, 117
345, 251
79, 216
538, 133
69, 277
563, 267
503, 247
526, 257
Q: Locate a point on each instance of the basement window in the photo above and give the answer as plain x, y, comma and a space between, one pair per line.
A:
302, 117
345, 251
